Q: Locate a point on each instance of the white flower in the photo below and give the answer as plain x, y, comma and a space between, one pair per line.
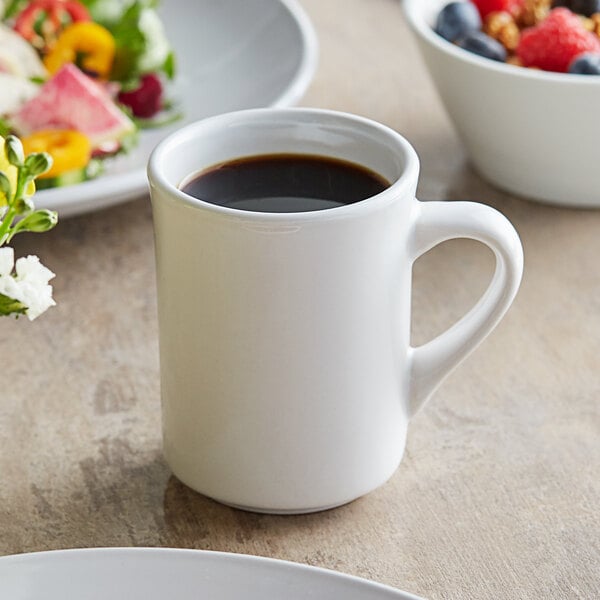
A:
30, 284
8, 285
7, 261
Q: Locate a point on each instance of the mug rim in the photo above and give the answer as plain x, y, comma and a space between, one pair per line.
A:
157, 177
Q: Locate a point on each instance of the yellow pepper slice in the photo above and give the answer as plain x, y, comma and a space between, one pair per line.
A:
89, 45
69, 149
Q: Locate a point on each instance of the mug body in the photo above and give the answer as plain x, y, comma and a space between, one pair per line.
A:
284, 337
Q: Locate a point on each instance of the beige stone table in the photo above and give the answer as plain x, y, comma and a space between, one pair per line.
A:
498, 494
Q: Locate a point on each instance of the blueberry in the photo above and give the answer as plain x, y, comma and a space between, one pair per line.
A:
457, 19
581, 7
586, 64
482, 44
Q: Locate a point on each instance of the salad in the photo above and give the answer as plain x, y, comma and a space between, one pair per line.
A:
79, 78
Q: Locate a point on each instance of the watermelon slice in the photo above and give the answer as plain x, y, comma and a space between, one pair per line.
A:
72, 100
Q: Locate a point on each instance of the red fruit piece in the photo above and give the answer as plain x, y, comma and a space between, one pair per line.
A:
145, 100
486, 7
556, 41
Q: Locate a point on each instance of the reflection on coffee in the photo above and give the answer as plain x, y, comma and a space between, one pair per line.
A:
285, 183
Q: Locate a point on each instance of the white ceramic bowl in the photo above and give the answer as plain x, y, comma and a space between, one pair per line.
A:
532, 133
165, 574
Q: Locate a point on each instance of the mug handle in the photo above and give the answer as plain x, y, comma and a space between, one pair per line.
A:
435, 223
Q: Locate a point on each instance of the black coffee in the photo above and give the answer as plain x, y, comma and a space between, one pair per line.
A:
282, 183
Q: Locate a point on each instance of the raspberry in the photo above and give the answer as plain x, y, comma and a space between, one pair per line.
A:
556, 41
486, 7
146, 100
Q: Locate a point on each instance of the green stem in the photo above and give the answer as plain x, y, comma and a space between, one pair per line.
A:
21, 181
6, 223
5, 227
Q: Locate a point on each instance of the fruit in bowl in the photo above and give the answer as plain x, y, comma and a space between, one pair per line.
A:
529, 131
553, 35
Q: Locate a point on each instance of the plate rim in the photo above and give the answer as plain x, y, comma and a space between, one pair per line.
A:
232, 557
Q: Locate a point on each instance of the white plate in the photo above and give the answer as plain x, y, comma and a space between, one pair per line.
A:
165, 574
231, 55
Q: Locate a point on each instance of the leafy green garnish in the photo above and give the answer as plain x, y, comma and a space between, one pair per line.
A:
13, 8
141, 44
130, 44
169, 65
94, 168
160, 120
129, 142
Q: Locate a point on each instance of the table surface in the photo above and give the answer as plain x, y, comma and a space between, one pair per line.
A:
498, 493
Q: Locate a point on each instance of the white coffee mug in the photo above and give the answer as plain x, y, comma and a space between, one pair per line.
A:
287, 374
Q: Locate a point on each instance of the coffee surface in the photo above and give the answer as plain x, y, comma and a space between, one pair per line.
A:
284, 183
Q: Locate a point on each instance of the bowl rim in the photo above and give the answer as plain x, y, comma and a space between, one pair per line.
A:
413, 10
